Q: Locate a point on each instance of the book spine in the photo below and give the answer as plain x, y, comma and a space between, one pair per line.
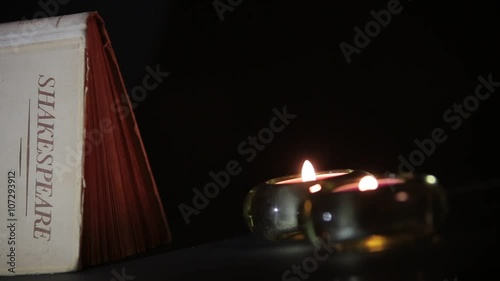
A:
42, 30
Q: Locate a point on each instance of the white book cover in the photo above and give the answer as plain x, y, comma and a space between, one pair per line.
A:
42, 94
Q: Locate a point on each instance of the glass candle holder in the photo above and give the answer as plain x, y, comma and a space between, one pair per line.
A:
273, 209
376, 213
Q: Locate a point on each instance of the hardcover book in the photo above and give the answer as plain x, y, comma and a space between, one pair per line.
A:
76, 188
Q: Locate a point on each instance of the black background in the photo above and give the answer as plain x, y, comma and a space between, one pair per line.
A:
227, 76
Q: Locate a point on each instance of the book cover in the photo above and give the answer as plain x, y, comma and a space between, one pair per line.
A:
75, 183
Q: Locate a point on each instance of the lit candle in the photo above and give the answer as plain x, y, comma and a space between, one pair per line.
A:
344, 206
273, 208
368, 183
376, 213
308, 174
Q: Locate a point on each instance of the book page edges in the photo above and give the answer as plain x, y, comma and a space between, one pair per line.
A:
43, 29
109, 49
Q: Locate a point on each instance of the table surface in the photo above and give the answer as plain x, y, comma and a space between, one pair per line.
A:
468, 251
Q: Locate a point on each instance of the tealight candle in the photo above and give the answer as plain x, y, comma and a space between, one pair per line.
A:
272, 209
351, 208
375, 214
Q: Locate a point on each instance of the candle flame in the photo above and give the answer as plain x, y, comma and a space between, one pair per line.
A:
368, 183
308, 173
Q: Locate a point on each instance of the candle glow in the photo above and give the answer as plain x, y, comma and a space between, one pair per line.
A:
308, 174
368, 183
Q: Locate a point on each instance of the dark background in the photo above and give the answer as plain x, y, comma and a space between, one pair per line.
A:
227, 76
